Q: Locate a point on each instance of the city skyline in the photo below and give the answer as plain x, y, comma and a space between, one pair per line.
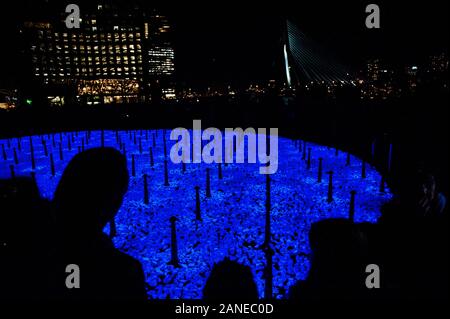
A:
238, 45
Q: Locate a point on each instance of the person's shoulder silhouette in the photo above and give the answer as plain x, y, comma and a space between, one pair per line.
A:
88, 196
25, 229
337, 263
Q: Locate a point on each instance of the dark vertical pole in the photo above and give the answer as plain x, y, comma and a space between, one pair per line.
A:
268, 273
308, 163
61, 155
174, 246
304, 151
319, 175
33, 162
133, 166
330, 187
44, 146
52, 164
146, 199
102, 138
197, 203
11, 169
16, 159
347, 162
151, 157
140, 145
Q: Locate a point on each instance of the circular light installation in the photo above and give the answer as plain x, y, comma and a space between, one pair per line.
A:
232, 220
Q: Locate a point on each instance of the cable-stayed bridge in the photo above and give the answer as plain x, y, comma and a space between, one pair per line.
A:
305, 62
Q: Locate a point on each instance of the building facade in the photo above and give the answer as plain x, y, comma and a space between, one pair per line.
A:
118, 55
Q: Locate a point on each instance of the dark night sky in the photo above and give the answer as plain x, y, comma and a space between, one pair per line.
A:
227, 41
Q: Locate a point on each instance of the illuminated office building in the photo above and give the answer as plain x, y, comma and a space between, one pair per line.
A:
116, 56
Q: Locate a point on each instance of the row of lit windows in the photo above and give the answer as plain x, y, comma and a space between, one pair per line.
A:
51, 63
47, 75
116, 52
92, 42
160, 54
95, 47
96, 39
90, 62
103, 69
104, 53
108, 35
78, 71
98, 65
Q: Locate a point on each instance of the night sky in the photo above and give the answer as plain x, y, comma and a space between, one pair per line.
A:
228, 42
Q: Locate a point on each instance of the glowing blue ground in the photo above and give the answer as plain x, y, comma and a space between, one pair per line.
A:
233, 219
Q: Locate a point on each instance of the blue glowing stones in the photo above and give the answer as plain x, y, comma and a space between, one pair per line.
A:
232, 219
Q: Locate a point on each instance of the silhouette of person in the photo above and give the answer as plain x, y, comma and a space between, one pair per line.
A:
337, 266
25, 233
230, 280
88, 196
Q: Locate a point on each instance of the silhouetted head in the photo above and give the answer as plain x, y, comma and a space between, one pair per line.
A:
230, 280
90, 191
21, 211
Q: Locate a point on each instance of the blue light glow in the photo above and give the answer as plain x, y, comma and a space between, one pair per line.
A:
233, 218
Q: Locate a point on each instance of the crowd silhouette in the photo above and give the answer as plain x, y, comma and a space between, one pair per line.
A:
40, 238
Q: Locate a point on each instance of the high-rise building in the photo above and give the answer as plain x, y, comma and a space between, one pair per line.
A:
119, 54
